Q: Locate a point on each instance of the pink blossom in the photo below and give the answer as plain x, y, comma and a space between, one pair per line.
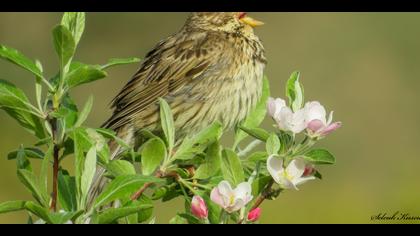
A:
199, 207
254, 215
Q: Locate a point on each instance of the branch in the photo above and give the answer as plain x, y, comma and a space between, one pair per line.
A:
159, 174
56, 152
138, 194
265, 193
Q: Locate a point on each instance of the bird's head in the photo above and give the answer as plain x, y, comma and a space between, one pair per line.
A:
230, 22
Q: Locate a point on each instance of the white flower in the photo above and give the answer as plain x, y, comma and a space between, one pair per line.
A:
286, 119
290, 177
311, 117
231, 199
315, 120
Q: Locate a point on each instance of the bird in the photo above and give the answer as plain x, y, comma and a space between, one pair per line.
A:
210, 70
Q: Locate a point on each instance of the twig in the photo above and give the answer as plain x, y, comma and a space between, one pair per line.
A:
249, 148
265, 193
138, 194
56, 153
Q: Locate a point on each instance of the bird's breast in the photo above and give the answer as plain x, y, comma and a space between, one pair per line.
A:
227, 95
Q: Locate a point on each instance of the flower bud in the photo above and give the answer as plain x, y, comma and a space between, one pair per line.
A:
309, 171
198, 207
254, 215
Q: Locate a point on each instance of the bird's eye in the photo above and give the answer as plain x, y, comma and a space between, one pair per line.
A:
241, 15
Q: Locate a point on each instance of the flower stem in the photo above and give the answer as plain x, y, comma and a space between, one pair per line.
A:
249, 148
224, 216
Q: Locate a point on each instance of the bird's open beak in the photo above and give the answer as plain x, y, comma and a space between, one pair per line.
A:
251, 21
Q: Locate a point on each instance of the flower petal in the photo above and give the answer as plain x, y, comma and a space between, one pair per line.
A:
239, 203
285, 183
315, 125
283, 118
330, 117
217, 198
224, 188
315, 111
199, 207
302, 180
243, 191
296, 168
331, 128
254, 215
297, 124
275, 105
274, 166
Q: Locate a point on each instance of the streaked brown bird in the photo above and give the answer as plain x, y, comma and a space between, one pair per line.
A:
211, 70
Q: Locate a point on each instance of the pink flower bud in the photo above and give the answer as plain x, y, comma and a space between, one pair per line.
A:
331, 128
198, 207
254, 215
309, 170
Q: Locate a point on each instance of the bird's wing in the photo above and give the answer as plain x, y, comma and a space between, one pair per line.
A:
174, 62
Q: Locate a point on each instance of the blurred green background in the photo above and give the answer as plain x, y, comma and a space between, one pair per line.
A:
364, 66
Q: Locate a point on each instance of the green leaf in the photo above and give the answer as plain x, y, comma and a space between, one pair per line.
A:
152, 154
109, 134
101, 145
160, 192
257, 133
167, 123
67, 112
231, 167
294, 91
84, 139
213, 210
145, 214
43, 175
22, 161
120, 167
38, 86
67, 191
31, 183
259, 184
75, 23
191, 146
82, 143
119, 61
12, 206
255, 118
81, 74
190, 218
112, 214
212, 162
41, 212
17, 58
272, 145
123, 186
15, 103
64, 44
88, 173
173, 192
318, 175
178, 220
319, 156
29, 152
85, 112
63, 217
250, 163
